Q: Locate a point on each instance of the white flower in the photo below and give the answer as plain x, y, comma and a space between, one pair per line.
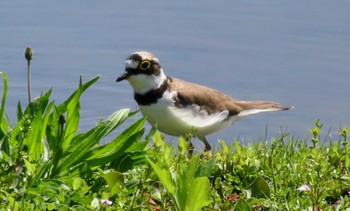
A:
106, 202
304, 188
94, 203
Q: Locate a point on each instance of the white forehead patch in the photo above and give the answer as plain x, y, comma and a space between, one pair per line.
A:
147, 56
129, 63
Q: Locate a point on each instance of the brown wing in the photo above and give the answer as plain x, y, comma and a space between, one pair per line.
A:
205, 97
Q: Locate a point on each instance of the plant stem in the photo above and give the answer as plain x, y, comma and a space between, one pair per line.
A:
28, 54
29, 83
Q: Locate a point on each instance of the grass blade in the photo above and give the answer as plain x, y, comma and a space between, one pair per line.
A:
82, 144
3, 124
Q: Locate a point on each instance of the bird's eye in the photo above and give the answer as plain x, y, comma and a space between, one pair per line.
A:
145, 65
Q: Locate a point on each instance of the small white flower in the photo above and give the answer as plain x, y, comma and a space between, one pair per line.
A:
106, 202
94, 203
304, 188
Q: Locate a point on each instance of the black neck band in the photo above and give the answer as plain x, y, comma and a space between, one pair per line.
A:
152, 96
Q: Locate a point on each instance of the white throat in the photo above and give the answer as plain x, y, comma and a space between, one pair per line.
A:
143, 83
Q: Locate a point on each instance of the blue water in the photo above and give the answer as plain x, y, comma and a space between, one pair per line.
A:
293, 52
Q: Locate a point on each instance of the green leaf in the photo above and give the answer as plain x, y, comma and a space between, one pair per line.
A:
29, 166
77, 183
242, 205
206, 169
182, 145
72, 119
83, 149
260, 188
117, 152
112, 122
164, 176
185, 184
158, 140
199, 194
114, 179
19, 111
72, 107
33, 139
111, 151
188, 191
224, 147
3, 123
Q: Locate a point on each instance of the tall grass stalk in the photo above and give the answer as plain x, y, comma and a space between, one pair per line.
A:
29, 55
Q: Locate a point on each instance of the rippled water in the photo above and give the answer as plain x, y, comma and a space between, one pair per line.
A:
293, 52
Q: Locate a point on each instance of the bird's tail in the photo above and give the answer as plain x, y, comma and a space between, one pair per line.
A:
254, 107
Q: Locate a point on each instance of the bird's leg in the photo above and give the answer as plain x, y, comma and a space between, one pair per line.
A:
204, 140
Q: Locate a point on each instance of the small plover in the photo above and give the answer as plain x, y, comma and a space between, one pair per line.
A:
179, 107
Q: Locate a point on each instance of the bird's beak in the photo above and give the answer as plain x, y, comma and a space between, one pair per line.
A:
124, 76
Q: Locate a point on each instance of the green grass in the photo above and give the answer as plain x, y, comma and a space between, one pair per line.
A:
45, 164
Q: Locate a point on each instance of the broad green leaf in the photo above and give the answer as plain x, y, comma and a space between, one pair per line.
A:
16, 132
38, 104
115, 119
53, 130
128, 160
117, 152
185, 181
44, 100
77, 183
260, 188
158, 140
72, 107
198, 195
33, 139
139, 146
242, 205
72, 157
107, 153
80, 153
114, 179
45, 121
72, 119
206, 169
190, 171
182, 145
30, 167
164, 176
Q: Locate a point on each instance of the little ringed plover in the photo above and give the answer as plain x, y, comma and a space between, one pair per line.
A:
179, 107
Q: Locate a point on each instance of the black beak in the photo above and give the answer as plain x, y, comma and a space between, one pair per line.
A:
124, 76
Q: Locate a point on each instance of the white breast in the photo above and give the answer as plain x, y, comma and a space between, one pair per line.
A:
179, 121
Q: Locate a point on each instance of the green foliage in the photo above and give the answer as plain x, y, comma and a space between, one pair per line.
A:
47, 164
188, 189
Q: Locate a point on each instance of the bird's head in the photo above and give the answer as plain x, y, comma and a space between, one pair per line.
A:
143, 71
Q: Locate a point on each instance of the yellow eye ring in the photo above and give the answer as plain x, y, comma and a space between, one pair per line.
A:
145, 65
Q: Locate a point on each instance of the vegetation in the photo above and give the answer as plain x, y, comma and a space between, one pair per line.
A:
45, 164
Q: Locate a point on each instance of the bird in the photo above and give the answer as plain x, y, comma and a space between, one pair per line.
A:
178, 107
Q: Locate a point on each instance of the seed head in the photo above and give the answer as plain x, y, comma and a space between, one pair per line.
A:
28, 54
